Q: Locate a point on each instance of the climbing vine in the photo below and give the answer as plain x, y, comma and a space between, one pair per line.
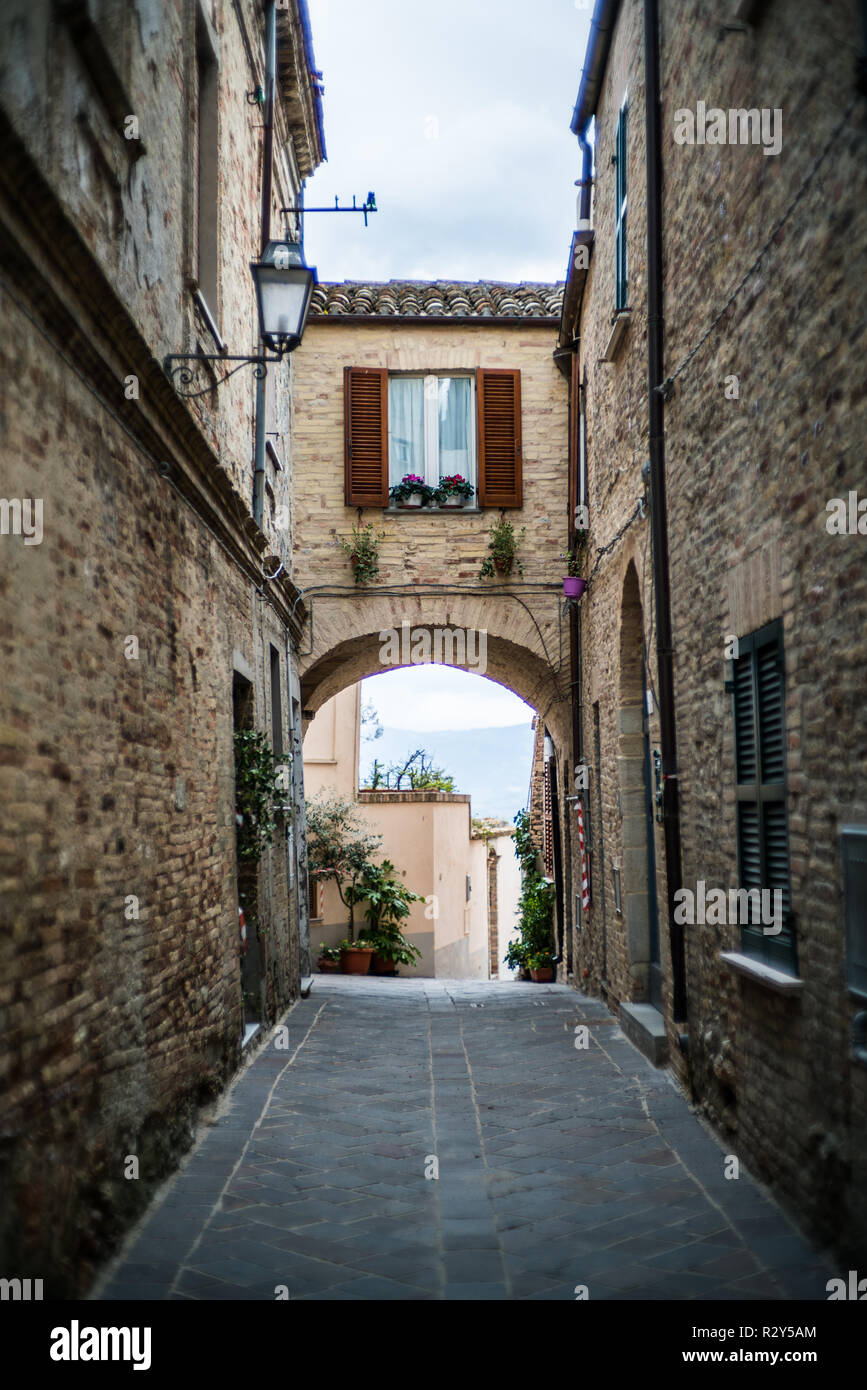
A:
257, 796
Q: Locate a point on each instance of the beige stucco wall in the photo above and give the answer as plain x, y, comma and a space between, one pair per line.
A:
508, 893
427, 835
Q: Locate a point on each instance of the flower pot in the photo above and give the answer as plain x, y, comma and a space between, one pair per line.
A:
543, 976
328, 967
573, 587
503, 566
356, 961
383, 965
454, 500
415, 499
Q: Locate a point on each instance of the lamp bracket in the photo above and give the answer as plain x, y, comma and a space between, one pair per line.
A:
182, 376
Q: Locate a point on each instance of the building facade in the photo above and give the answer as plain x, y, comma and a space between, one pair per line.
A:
140, 626
712, 314
463, 873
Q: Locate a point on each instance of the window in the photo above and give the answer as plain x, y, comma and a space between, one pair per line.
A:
207, 167
433, 425
760, 755
853, 839
621, 265
276, 704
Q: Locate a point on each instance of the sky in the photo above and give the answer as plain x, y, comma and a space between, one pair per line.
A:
442, 697
457, 116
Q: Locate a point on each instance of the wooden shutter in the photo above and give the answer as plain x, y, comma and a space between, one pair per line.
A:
499, 412
365, 404
760, 754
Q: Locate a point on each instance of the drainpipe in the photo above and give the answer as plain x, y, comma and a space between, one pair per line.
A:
265, 219
658, 507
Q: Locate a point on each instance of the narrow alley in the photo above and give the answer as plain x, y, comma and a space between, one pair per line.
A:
564, 1171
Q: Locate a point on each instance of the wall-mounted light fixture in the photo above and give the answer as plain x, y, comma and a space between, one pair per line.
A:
284, 288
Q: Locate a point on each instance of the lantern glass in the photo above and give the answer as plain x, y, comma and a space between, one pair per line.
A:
284, 289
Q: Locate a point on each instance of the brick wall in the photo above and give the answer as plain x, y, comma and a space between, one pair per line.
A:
121, 982
748, 479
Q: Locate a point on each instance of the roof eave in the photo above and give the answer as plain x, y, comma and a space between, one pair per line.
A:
298, 82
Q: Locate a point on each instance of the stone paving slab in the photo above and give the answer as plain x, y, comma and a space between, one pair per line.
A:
557, 1166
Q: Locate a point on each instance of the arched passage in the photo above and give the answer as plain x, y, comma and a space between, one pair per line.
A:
639, 904
518, 641
520, 644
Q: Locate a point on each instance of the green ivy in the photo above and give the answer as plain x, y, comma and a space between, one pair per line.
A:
536, 903
257, 798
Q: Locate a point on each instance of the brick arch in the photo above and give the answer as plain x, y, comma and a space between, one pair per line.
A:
524, 653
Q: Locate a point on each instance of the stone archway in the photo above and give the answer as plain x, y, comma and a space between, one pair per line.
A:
503, 638
524, 648
637, 903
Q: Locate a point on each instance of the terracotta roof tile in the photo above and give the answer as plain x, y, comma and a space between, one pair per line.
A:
437, 299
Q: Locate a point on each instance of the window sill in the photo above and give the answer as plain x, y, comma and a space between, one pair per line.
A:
762, 974
208, 319
619, 324
434, 511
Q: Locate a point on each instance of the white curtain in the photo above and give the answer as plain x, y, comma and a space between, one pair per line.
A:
405, 427
456, 427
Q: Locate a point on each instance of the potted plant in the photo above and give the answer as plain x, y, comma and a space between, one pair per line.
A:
355, 957
329, 959
503, 544
363, 551
573, 583
516, 958
541, 964
411, 491
453, 491
388, 906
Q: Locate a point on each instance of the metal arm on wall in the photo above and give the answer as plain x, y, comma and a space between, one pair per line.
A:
181, 376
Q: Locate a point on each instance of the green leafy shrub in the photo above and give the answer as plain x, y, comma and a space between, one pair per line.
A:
257, 798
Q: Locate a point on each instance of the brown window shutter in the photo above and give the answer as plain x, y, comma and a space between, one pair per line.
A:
500, 463
365, 404
574, 443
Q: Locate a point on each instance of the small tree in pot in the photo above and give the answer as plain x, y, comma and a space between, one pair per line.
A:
339, 848
388, 906
362, 547
503, 545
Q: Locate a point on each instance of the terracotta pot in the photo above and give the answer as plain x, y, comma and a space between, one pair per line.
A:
383, 965
543, 976
328, 967
573, 587
356, 961
503, 566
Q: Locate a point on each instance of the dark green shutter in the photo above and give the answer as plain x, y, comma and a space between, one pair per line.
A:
758, 697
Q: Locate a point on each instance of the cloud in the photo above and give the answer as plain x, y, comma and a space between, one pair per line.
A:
443, 698
458, 117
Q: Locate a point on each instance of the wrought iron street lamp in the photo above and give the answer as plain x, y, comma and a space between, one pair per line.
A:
284, 289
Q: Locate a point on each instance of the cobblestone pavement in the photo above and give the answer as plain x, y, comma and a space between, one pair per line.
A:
558, 1166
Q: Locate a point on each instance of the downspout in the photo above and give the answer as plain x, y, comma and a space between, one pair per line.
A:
658, 506
265, 221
